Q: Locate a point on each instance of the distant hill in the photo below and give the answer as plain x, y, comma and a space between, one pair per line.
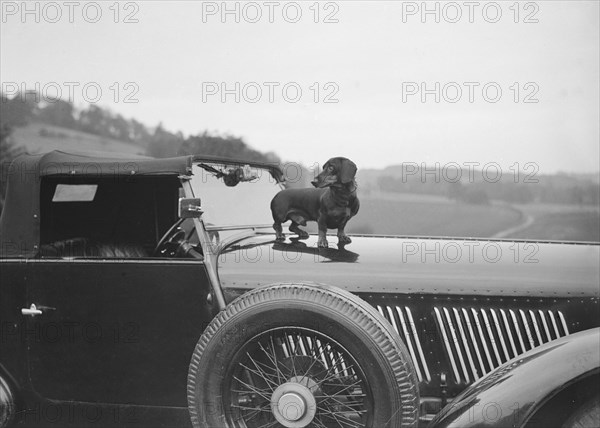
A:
42, 126
40, 138
400, 199
474, 186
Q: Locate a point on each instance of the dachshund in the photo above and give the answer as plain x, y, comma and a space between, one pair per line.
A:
331, 204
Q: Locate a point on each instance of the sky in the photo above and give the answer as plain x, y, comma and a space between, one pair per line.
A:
379, 82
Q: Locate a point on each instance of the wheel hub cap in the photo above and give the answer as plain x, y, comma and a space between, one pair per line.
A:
293, 405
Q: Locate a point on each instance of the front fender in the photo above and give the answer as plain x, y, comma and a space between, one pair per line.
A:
510, 395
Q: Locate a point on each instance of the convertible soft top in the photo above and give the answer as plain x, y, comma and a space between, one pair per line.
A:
20, 220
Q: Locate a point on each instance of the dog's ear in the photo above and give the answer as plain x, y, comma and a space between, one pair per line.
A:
347, 170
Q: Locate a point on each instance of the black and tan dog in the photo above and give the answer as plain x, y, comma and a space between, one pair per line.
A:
331, 204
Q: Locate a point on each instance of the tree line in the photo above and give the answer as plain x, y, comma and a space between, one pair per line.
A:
28, 107
157, 141
552, 189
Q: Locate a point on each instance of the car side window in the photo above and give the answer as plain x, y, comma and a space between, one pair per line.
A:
105, 217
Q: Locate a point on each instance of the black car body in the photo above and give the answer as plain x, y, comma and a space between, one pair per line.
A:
103, 302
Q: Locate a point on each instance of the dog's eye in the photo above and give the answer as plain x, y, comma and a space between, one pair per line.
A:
330, 168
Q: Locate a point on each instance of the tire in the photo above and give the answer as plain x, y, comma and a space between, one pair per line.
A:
7, 405
587, 416
296, 355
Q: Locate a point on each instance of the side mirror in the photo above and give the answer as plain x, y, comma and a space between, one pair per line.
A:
190, 208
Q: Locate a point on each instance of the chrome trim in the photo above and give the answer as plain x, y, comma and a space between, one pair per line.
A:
543, 317
345, 371
536, 328
284, 348
404, 325
408, 342
447, 343
509, 333
500, 335
472, 334
418, 342
492, 339
563, 322
465, 344
482, 337
457, 345
516, 323
31, 310
554, 324
291, 345
392, 320
237, 227
527, 329
321, 353
303, 347
508, 328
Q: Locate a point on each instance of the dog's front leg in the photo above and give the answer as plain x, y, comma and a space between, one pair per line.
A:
343, 239
322, 242
279, 236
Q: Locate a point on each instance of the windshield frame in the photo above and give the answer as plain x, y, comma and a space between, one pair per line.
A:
268, 177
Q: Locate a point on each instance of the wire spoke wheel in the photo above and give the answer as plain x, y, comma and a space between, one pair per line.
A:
301, 355
296, 377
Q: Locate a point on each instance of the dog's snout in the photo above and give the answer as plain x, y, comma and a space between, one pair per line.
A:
324, 179
318, 181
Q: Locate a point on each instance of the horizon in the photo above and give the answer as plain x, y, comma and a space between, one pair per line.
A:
465, 166
392, 81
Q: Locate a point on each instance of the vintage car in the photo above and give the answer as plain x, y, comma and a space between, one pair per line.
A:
147, 292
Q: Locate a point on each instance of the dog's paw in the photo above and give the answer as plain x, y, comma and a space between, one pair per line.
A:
302, 234
280, 237
344, 239
322, 243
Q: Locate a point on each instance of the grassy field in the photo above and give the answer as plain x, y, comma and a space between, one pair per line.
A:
40, 138
429, 215
561, 222
409, 214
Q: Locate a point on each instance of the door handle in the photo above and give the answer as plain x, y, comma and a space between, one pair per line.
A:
32, 310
